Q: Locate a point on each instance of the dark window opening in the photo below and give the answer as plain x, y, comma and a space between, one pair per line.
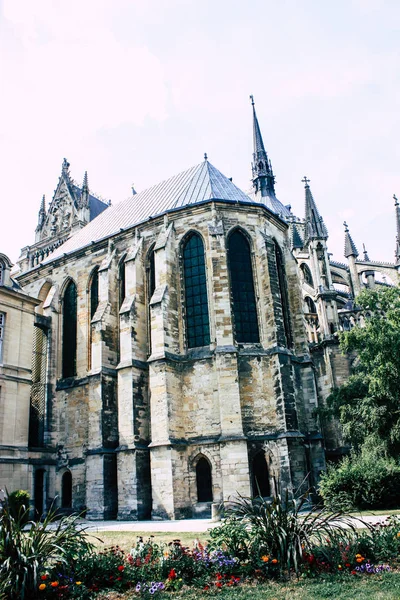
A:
69, 331
307, 275
39, 492
152, 274
196, 302
121, 277
242, 286
260, 482
66, 490
310, 305
204, 481
94, 293
280, 266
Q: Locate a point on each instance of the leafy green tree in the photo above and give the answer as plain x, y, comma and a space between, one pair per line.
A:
368, 404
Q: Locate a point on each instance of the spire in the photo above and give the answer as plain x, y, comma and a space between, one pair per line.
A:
397, 208
366, 257
85, 184
349, 246
263, 175
42, 212
84, 199
65, 167
314, 224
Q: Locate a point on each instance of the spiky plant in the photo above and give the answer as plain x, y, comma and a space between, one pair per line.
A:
27, 549
282, 529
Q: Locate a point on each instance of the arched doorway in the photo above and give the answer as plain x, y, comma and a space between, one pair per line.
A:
260, 479
204, 481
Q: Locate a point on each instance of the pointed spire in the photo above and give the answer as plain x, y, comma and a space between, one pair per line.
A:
349, 246
263, 176
315, 226
42, 213
366, 257
134, 192
85, 184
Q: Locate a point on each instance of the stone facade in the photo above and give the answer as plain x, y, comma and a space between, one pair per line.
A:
130, 415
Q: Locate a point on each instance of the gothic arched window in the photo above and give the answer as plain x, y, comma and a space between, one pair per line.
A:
280, 267
307, 274
69, 331
242, 287
121, 280
196, 302
260, 481
310, 305
94, 293
93, 304
204, 481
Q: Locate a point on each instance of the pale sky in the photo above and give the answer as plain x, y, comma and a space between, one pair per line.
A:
135, 91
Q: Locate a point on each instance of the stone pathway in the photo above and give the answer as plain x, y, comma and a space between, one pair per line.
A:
186, 525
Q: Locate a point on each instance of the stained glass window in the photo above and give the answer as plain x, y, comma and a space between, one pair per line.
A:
280, 267
196, 303
242, 286
69, 331
204, 481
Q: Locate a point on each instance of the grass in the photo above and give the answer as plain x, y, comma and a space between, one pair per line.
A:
343, 587
126, 539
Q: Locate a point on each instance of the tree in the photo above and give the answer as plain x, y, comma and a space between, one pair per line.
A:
368, 404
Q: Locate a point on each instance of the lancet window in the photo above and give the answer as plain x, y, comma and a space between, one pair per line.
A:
242, 289
69, 331
37, 410
2, 325
196, 302
284, 296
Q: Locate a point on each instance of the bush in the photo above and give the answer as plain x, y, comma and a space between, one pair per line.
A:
26, 552
361, 481
18, 505
279, 532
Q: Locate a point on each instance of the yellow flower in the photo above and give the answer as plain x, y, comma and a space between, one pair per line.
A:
265, 558
398, 534
42, 587
359, 559
78, 582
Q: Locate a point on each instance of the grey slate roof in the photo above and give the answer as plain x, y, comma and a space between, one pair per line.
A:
96, 206
200, 183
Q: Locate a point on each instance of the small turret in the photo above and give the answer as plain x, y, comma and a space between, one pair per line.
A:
349, 246
85, 192
351, 253
41, 218
314, 225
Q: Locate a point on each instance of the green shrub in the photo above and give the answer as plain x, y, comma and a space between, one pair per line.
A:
361, 481
232, 537
18, 505
26, 552
280, 531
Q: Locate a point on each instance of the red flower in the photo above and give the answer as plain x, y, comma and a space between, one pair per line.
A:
172, 574
219, 576
44, 577
347, 565
119, 578
353, 572
218, 584
121, 568
54, 584
206, 587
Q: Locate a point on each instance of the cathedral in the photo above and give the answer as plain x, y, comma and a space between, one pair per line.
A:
177, 345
